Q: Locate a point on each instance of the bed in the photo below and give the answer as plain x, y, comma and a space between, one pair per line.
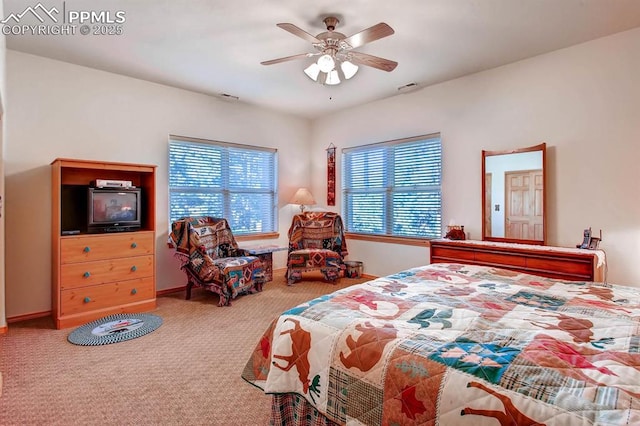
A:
455, 344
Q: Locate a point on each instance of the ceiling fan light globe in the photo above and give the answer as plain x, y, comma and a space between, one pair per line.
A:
326, 63
312, 71
349, 69
332, 78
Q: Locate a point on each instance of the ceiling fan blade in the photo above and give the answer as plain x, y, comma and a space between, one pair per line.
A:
297, 31
373, 61
289, 58
374, 33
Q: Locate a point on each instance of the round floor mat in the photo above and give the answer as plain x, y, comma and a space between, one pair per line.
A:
114, 328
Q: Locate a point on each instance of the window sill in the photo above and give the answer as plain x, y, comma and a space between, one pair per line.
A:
261, 236
408, 241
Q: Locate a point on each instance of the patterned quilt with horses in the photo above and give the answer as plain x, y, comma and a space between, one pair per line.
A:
455, 344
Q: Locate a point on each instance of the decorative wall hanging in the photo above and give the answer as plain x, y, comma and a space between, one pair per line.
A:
331, 175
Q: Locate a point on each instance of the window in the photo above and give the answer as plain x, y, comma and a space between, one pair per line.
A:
237, 182
394, 188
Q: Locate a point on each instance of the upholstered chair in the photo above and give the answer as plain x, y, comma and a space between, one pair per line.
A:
316, 242
212, 259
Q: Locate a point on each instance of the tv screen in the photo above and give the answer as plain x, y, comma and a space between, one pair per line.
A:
113, 208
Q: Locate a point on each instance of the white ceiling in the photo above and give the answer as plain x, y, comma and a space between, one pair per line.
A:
216, 46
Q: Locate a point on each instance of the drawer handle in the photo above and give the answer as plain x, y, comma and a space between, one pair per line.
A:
87, 299
134, 291
86, 274
87, 249
134, 245
133, 268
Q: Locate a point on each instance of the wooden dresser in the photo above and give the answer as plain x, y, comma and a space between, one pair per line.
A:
98, 274
554, 262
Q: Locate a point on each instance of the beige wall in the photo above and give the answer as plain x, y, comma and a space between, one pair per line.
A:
3, 53
583, 101
3, 91
62, 110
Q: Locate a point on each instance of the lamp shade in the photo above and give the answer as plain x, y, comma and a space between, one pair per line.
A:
303, 197
326, 63
330, 70
332, 78
348, 69
312, 71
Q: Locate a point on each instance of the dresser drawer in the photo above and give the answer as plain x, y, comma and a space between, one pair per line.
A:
578, 269
85, 248
500, 259
75, 275
88, 299
453, 253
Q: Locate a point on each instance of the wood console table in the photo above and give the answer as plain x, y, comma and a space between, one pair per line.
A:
553, 262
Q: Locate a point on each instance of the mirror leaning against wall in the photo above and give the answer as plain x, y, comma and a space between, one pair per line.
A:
513, 195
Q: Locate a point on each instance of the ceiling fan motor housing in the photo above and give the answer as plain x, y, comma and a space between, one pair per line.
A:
331, 22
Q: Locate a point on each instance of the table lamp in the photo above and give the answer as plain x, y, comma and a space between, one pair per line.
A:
304, 198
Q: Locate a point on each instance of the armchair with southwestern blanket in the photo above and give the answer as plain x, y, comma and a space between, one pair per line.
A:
211, 258
316, 242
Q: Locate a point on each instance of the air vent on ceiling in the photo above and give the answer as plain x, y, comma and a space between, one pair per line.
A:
410, 87
228, 97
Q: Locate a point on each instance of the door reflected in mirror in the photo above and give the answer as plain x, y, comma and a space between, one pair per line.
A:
513, 201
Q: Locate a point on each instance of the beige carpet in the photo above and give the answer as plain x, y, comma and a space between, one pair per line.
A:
187, 372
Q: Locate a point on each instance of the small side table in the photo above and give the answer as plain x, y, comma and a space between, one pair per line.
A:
265, 254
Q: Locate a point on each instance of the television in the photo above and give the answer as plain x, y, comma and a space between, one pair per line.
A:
114, 209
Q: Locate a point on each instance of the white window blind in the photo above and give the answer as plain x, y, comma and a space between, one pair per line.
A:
237, 182
394, 188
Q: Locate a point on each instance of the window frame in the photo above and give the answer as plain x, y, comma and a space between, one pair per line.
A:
388, 191
225, 190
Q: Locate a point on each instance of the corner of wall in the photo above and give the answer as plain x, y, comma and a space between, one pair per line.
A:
3, 57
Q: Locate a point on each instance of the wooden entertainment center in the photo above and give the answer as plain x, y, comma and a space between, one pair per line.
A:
554, 262
99, 274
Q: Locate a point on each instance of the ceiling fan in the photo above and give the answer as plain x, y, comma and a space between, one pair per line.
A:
334, 48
